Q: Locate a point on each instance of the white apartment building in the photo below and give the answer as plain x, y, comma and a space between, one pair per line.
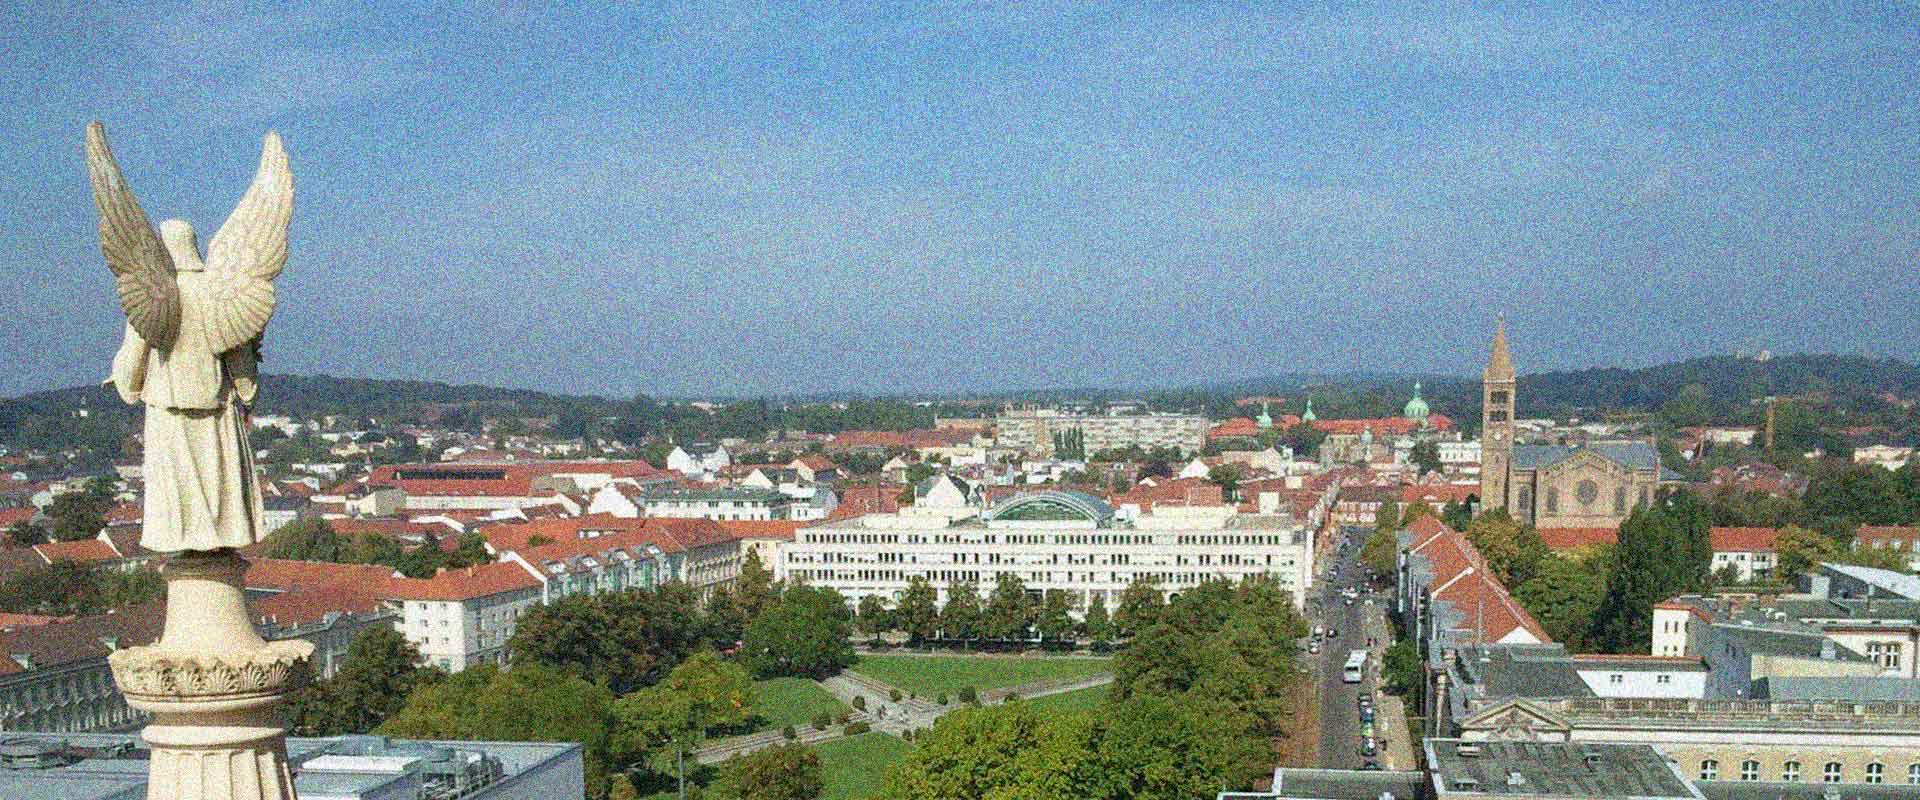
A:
464, 617
1032, 430
727, 503
1051, 540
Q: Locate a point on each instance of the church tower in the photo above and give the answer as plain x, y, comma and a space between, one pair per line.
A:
1496, 423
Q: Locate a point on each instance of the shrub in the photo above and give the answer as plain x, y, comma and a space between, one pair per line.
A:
844, 716
968, 695
942, 700
858, 728
789, 733
894, 695
822, 720
860, 702
1011, 696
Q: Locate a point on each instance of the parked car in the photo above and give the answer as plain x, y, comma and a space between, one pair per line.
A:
1367, 748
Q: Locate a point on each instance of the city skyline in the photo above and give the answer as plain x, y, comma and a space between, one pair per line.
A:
977, 200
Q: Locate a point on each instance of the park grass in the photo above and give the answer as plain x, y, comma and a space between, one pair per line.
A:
792, 701
1076, 700
930, 676
856, 766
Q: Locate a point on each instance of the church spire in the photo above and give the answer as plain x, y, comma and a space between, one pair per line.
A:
1500, 365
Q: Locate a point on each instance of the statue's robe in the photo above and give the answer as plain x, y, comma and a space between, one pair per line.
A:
201, 492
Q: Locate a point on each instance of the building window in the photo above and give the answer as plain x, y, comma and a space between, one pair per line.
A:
1749, 770
1876, 772
1830, 773
1790, 772
1663, 679
1709, 770
1913, 774
1553, 500
1616, 679
1619, 499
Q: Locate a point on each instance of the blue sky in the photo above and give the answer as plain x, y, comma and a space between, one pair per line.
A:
737, 200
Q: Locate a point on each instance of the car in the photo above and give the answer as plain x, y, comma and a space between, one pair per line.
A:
1366, 714
1368, 748
1349, 601
1370, 765
1333, 633
1314, 649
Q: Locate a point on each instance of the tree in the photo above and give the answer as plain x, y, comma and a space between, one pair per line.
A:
1098, 624
754, 585
726, 620
960, 617
73, 588
1426, 456
1862, 494
874, 618
1514, 551
309, 539
1400, 666
1140, 607
1227, 477
1010, 750
26, 534
1456, 515
1563, 594
919, 611
1387, 516
805, 633
381, 670
530, 703
81, 514
621, 640
471, 550
664, 721
1415, 511
1009, 612
782, 772
1159, 748
1662, 551
1381, 553
1055, 619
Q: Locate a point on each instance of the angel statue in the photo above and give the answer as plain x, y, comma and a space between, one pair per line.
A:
192, 347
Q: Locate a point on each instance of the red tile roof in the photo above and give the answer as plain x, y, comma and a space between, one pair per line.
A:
1885, 535
1576, 538
1743, 540
283, 575
1174, 492
85, 550
467, 583
81, 638
10, 516
309, 605
1436, 495
125, 514
9, 620
861, 500
515, 536
1383, 426
781, 529
1462, 578
818, 462
1235, 428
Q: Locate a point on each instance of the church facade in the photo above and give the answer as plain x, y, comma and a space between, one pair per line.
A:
1595, 485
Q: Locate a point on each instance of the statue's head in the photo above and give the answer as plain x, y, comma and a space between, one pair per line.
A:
181, 245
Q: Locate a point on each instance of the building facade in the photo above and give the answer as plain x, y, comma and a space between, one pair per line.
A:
1032, 430
1051, 540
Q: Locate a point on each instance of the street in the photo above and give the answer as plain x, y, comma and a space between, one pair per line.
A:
1340, 725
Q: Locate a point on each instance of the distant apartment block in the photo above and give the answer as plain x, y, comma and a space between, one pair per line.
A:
1032, 430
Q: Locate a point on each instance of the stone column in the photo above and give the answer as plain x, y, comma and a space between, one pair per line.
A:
213, 687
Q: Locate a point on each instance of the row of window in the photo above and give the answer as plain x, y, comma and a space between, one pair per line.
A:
1831, 772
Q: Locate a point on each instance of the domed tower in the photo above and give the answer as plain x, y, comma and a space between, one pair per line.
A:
1417, 408
1265, 420
1308, 415
1496, 423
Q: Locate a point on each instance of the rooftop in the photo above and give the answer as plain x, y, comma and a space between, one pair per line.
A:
1551, 770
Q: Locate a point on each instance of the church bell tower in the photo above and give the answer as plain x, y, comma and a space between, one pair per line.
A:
1496, 423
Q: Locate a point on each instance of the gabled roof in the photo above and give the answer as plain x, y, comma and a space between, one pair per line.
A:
1743, 540
744, 529
1634, 455
89, 550
80, 638
467, 583
283, 575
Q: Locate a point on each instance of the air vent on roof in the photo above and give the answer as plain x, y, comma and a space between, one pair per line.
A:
1469, 751
1464, 783
1514, 778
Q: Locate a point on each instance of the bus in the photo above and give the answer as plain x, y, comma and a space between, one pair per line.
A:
1356, 662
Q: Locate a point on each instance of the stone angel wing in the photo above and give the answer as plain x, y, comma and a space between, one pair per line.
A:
142, 269
249, 252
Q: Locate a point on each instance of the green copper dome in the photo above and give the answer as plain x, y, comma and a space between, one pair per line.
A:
1265, 420
1308, 416
1416, 408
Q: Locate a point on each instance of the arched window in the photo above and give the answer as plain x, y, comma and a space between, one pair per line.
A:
1790, 771
1830, 773
1709, 769
1749, 770
1876, 772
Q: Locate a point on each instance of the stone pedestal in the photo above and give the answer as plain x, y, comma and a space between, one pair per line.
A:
213, 687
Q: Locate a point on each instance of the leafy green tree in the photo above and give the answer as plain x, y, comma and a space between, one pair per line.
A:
1139, 608
1400, 666
726, 620
621, 640
72, 588
81, 514
381, 670
1387, 516
471, 550
1009, 612
754, 586
1010, 750
1159, 748
530, 703
782, 772
1456, 515
1098, 624
311, 539
873, 618
1861, 494
1415, 511
1513, 550
1227, 477
1055, 619
1662, 551
803, 634
960, 617
662, 722
26, 534
1381, 552
1564, 593
919, 611
1426, 457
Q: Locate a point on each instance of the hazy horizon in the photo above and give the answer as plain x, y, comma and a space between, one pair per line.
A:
879, 200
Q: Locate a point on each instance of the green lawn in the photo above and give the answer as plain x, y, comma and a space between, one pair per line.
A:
792, 701
931, 675
1076, 700
856, 766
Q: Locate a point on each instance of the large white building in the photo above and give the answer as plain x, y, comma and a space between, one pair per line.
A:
1051, 540
1032, 430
